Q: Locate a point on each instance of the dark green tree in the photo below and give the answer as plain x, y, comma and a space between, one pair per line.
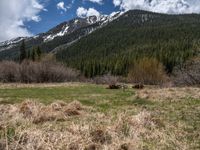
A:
29, 54
22, 51
33, 54
38, 52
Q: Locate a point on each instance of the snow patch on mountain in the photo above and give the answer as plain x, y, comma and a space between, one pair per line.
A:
61, 33
12, 41
101, 19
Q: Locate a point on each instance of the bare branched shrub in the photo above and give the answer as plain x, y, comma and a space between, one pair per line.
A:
188, 74
147, 71
36, 72
9, 71
106, 79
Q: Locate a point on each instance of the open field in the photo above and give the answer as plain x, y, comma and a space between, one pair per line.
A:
73, 116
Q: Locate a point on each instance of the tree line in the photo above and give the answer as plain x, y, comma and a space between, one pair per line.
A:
33, 54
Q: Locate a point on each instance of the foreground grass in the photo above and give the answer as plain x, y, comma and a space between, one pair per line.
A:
146, 119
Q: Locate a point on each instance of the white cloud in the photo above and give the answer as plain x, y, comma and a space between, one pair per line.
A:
82, 12
163, 6
61, 6
13, 14
116, 2
96, 1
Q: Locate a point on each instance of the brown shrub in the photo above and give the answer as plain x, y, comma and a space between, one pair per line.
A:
36, 72
147, 71
138, 86
9, 71
46, 72
106, 79
187, 74
113, 86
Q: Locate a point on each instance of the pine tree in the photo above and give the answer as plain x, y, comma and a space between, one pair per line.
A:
33, 54
22, 51
29, 54
38, 52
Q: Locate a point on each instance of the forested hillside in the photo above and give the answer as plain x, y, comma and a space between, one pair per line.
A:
171, 39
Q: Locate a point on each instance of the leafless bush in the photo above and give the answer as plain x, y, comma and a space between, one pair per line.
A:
36, 72
187, 74
9, 71
147, 71
106, 79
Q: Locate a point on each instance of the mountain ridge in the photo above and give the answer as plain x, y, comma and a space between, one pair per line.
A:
64, 33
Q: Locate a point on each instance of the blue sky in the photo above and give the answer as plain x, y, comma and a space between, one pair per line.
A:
54, 16
22, 18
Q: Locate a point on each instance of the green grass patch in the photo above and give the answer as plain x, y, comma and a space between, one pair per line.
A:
88, 94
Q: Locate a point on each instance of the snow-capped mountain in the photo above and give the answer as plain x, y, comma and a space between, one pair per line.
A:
73, 25
64, 33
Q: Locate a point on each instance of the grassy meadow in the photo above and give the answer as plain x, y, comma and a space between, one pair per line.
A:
85, 116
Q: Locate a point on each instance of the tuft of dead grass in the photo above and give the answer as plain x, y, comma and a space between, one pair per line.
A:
168, 93
39, 113
101, 136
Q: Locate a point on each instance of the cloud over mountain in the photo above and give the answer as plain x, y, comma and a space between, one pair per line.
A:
13, 14
61, 5
82, 12
163, 6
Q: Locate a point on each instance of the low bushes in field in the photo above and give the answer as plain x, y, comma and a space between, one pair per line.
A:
187, 74
36, 72
147, 71
9, 71
106, 79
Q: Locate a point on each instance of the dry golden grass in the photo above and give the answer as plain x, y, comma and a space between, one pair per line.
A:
155, 119
61, 126
168, 93
38, 85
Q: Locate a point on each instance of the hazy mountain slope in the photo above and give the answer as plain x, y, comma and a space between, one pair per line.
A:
135, 34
